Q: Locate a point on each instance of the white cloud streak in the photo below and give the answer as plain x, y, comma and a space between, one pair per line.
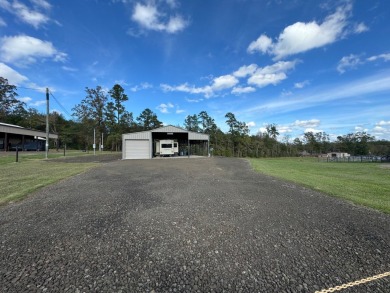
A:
12, 75
306, 123
243, 90
353, 61
366, 86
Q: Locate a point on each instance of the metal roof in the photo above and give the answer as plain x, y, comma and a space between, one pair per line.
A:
166, 129
15, 129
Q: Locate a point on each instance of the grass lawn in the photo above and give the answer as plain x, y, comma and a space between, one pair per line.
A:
32, 172
366, 184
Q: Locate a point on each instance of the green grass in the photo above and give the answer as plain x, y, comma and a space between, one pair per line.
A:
10, 157
32, 172
366, 184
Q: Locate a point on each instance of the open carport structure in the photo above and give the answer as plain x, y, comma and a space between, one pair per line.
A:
12, 136
142, 145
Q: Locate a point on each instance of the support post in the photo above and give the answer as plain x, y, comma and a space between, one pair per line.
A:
94, 142
47, 123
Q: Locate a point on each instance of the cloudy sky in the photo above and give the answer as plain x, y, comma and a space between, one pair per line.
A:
303, 65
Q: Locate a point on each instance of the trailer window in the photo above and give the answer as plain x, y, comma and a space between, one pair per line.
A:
175, 144
166, 145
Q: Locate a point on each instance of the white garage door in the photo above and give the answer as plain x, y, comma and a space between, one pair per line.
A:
137, 149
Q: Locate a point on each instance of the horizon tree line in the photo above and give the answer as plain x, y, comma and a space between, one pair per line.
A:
106, 114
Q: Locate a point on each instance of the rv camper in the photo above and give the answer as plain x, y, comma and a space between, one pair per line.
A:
166, 147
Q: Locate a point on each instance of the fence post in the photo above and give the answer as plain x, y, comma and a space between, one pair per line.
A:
17, 154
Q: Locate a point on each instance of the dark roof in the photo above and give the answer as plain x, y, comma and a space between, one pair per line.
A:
16, 129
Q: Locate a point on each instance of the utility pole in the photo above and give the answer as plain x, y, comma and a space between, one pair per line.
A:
94, 141
47, 122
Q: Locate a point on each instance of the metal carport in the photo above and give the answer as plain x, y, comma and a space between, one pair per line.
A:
140, 145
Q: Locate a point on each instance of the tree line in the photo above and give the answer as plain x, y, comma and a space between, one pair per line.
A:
105, 115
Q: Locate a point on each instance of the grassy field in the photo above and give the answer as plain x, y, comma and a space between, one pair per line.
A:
32, 172
366, 184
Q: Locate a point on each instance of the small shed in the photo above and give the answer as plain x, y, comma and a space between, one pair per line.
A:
141, 145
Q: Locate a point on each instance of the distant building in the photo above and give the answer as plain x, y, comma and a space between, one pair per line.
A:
338, 155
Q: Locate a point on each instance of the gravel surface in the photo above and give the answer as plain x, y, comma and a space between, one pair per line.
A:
189, 225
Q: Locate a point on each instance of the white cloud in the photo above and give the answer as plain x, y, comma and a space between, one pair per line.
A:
360, 28
194, 100
70, 69
179, 111
142, 86
42, 4
385, 57
284, 129
301, 37
361, 129
301, 85
353, 61
306, 123
30, 16
251, 124
23, 50
244, 71
262, 80
383, 123
243, 90
24, 99
224, 82
164, 108
176, 24
259, 76
218, 84
272, 74
207, 91
172, 3
348, 62
381, 130
313, 130
263, 44
148, 17
13, 77
38, 103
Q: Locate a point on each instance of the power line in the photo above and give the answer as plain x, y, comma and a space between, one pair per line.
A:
42, 90
62, 107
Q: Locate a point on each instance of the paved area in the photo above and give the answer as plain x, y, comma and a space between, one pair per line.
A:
194, 225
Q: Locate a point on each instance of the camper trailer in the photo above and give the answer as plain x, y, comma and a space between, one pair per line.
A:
166, 147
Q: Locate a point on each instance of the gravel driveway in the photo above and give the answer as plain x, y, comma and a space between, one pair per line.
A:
188, 225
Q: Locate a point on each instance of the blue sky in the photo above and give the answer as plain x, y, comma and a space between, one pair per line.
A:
303, 65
